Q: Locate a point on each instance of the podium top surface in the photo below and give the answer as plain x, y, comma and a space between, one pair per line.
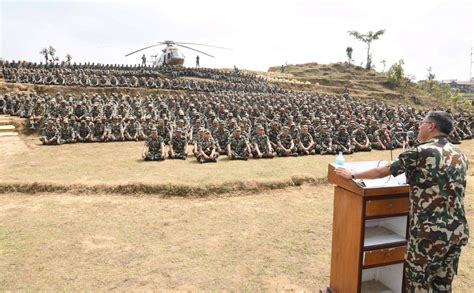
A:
373, 187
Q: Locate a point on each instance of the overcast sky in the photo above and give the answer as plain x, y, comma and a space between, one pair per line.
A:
261, 33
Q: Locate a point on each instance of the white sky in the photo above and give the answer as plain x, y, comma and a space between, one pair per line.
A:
261, 33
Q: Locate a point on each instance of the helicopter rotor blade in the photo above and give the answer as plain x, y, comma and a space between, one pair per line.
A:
194, 50
157, 44
184, 43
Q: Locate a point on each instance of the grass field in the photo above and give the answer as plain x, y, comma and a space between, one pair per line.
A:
273, 240
26, 160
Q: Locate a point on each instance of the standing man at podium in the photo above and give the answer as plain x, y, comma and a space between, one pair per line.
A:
436, 172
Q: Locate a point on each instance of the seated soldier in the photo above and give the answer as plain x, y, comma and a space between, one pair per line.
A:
342, 141
286, 145
154, 149
206, 148
132, 130
163, 131
324, 141
84, 133
305, 142
50, 134
360, 140
196, 139
238, 147
178, 146
454, 136
273, 133
221, 135
464, 129
383, 139
116, 131
261, 145
99, 131
399, 136
66, 133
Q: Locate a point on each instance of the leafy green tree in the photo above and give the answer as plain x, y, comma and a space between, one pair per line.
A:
367, 38
52, 54
349, 54
68, 58
45, 54
430, 75
396, 74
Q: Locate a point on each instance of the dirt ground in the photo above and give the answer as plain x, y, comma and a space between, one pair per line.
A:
272, 241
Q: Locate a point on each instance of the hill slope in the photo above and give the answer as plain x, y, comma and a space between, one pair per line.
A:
332, 78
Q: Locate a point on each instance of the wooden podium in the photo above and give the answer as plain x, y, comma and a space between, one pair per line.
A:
369, 234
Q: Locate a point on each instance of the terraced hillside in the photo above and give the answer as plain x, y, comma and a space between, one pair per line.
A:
332, 78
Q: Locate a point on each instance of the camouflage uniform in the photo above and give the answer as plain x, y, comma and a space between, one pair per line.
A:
262, 143
305, 140
207, 146
361, 138
324, 143
222, 138
116, 131
154, 149
436, 172
49, 135
66, 134
179, 146
84, 133
273, 136
285, 141
342, 141
98, 132
131, 131
238, 147
164, 132
385, 139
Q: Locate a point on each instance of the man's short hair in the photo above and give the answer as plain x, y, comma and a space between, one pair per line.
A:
442, 120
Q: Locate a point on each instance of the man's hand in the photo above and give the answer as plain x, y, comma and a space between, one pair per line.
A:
344, 173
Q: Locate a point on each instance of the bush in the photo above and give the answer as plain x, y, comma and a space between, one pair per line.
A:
396, 74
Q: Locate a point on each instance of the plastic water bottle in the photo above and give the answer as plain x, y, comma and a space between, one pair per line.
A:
340, 160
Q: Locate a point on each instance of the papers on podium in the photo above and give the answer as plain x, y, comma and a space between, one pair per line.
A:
373, 183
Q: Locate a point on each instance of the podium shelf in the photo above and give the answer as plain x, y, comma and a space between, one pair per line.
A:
378, 235
373, 286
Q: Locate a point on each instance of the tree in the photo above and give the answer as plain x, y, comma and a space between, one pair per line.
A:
52, 53
68, 58
367, 39
430, 75
45, 54
349, 54
396, 73
384, 64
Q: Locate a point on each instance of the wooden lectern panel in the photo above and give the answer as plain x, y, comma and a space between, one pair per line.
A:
390, 206
384, 256
346, 241
369, 232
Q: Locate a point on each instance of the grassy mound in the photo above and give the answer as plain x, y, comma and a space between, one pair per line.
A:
332, 78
